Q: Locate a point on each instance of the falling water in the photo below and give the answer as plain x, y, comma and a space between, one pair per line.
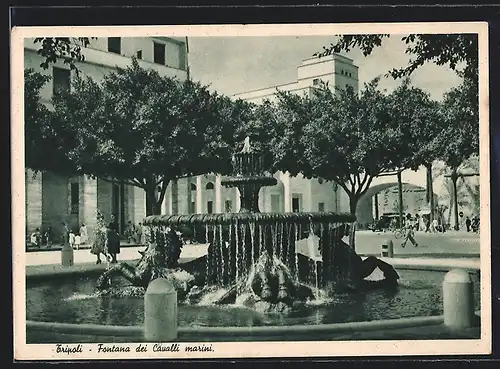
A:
273, 238
295, 253
252, 242
281, 243
243, 228
208, 260
222, 253
261, 238
229, 253
237, 254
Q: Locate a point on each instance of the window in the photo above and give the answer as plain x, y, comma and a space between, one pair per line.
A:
209, 186
159, 53
342, 72
295, 205
210, 206
193, 187
115, 45
61, 79
192, 207
75, 198
228, 206
315, 81
321, 206
138, 54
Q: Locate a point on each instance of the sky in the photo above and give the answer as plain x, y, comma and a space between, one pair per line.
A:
237, 64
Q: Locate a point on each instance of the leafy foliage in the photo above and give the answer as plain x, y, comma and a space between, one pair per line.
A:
67, 49
348, 138
421, 124
145, 129
459, 139
44, 140
453, 50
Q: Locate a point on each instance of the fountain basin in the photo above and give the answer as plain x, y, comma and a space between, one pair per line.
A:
56, 307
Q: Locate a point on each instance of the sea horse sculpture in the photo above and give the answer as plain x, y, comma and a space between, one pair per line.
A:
158, 260
269, 287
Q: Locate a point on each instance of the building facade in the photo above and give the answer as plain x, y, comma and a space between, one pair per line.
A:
298, 193
52, 199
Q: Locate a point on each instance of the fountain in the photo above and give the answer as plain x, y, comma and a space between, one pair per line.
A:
253, 257
257, 264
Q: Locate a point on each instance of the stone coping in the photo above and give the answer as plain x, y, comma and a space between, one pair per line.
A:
433, 264
55, 270
381, 329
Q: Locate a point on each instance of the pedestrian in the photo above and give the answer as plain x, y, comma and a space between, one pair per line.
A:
468, 224
84, 235
113, 239
65, 233
71, 239
435, 226
47, 237
99, 244
78, 241
36, 238
427, 225
409, 234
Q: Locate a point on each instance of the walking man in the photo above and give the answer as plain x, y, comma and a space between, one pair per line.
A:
409, 235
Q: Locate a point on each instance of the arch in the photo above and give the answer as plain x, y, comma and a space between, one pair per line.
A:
271, 198
209, 186
364, 210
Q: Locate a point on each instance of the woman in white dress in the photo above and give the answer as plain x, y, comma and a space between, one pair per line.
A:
84, 236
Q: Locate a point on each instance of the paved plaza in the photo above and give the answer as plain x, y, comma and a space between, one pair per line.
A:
436, 245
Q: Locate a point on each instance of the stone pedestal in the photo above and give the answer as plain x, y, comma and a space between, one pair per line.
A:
160, 311
458, 299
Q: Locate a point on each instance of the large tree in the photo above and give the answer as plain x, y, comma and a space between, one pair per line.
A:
45, 141
145, 129
460, 138
457, 51
351, 138
413, 108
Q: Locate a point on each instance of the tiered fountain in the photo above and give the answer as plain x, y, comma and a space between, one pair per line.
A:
252, 255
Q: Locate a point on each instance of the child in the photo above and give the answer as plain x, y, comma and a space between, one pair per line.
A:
48, 237
77, 241
71, 239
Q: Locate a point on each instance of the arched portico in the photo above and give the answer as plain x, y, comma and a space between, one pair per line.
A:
414, 200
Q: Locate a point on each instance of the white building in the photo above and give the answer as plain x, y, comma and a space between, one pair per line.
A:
52, 199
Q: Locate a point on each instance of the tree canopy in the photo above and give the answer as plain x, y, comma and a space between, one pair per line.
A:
457, 51
346, 137
144, 129
459, 139
45, 141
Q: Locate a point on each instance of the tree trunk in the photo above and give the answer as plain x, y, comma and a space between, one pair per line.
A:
353, 204
454, 178
152, 206
430, 191
154, 196
400, 199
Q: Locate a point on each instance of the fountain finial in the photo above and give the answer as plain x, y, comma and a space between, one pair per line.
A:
246, 145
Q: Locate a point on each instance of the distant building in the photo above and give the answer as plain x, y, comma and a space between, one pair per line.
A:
52, 199
298, 193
